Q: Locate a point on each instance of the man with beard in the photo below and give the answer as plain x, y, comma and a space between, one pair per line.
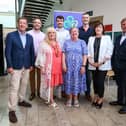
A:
85, 31
62, 36
38, 37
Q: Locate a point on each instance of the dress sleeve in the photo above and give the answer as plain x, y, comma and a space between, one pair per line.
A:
64, 47
84, 48
41, 57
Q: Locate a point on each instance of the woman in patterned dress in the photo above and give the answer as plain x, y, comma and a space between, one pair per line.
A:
74, 61
49, 60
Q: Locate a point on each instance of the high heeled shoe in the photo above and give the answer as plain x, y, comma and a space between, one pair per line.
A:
94, 103
99, 106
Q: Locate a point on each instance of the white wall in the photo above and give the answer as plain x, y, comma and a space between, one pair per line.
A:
112, 10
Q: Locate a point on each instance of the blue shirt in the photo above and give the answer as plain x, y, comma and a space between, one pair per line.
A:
23, 38
84, 35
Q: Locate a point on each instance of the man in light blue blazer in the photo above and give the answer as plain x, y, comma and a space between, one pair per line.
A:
20, 57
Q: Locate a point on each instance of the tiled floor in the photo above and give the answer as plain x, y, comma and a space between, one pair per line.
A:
42, 115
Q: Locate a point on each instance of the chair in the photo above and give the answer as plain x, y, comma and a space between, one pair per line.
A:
109, 74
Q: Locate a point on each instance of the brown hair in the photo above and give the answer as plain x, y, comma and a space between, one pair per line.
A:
60, 17
37, 18
22, 18
96, 25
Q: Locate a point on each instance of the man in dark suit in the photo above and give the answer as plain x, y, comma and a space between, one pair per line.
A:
20, 56
119, 67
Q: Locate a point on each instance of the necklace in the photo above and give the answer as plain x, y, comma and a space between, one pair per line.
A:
55, 46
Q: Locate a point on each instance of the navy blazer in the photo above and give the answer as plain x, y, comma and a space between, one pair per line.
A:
18, 57
119, 55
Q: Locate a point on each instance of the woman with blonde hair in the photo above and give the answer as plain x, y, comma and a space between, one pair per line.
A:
49, 60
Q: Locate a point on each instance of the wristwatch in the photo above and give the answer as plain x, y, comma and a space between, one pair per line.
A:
83, 65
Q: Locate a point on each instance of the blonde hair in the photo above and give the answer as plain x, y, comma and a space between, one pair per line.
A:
50, 29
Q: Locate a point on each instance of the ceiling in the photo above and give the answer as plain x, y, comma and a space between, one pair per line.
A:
35, 8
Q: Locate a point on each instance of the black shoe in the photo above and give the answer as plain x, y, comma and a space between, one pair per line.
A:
122, 110
24, 104
12, 117
32, 96
88, 97
114, 103
38, 94
94, 103
54, 96
99, 106
63, 94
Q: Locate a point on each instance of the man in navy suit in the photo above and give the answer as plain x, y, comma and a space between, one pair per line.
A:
20, 57
119, 67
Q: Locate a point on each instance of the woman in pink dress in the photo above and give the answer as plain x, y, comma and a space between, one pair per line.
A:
49, 60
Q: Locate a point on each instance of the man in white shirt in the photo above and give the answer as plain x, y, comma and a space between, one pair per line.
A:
62, 36
38, 37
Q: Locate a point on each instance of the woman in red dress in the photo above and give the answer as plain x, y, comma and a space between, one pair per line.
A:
49, 60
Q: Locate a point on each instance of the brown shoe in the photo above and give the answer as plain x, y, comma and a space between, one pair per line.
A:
12, 117
32, 96
24, 104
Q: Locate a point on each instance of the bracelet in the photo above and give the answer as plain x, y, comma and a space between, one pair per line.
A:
83, 65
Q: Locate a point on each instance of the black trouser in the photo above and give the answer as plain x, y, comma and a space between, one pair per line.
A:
120, 77
88, 80
98, 82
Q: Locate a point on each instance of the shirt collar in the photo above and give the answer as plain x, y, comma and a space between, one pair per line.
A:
36, 31
83, 28
20, 33
60, 29
124, 34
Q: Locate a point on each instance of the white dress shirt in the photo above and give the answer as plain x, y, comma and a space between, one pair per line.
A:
62, 36
123, 38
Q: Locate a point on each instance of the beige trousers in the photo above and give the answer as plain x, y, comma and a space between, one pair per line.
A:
17, 87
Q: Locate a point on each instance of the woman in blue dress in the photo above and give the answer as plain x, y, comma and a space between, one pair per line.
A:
74, 62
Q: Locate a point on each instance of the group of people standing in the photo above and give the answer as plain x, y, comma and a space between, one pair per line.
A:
62, 60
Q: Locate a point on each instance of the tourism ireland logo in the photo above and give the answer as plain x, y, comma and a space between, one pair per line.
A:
70, 22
